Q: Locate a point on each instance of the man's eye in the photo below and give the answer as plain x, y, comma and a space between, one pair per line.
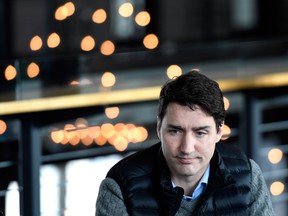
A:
200, 133
173, 131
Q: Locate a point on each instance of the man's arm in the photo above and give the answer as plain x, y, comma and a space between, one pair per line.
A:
260, 196
110, 199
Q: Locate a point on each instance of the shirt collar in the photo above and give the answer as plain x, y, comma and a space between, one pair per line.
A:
200, 187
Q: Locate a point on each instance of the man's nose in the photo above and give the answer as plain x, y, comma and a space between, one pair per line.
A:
188, 144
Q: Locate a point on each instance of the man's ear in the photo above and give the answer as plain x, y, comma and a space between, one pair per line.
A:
158, 128
220, 131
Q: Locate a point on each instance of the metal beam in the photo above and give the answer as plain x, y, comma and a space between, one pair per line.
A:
29, 167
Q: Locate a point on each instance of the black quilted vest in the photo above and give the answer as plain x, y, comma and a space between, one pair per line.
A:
145, 183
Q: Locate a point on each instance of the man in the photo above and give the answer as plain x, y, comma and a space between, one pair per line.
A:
187, 173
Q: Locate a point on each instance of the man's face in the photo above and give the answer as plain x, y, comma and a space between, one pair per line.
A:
188, 141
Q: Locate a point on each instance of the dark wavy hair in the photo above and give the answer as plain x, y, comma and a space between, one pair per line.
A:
193, 89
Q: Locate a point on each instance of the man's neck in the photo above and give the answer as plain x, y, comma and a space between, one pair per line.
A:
189, 183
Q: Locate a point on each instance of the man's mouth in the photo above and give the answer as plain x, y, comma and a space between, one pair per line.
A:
187, 160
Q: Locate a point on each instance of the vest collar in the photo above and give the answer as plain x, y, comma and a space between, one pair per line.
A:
170, 197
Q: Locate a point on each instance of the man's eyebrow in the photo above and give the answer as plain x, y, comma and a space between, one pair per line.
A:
202, 127
174, 127
206, 127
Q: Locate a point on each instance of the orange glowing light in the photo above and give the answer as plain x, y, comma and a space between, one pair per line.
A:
53, 40
275, 155
129, 135
3, 127
120, 144
61, 13
73, 139
87, 140
10, 72
226, 103
107, 130
277, 188
74, 83
36, 43
143, 18
173, 71
143, 133
33, 70
83, 133
112, 112
64, 11
65, 137
70, 7
226, 132
100, 140
95, 131
87, 43
108, 79
99, 16
57, 136
126, 9
150, 41
107, 48
121, 129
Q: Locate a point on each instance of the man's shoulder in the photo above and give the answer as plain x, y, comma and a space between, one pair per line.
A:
139, 163
256, 170
231, 151
140, 157
232, 159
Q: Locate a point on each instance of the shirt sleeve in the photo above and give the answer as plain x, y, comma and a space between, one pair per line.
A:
110, 200
260, 197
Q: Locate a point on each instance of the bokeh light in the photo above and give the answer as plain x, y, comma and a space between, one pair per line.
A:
143, 18
95, 131
121, 129
112, 112
226, 132
87, 43
277, 188
99, 16
150, 41
108, 79
118, 135
10, 72
275, 155
53, 40
107, 130
64, 11
70, 7
173, 71
65, 137
107, 47
33, 70
73, 138
100, 140
3, 127
88, 140
61, 13
57, 136
226, 103
36, 43
126, 9
81, 123
121, 144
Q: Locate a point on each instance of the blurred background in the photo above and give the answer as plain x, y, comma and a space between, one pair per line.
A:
79, 84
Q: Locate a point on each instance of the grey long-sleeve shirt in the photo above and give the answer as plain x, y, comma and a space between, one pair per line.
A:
110, 199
